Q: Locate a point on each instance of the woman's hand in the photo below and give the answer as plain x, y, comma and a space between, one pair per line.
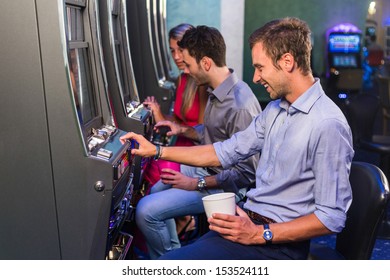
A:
151, 103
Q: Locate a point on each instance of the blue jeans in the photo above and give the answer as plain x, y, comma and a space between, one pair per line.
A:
155, 212
212, 246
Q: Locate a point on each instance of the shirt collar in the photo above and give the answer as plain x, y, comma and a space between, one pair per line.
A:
224, 88
306, 101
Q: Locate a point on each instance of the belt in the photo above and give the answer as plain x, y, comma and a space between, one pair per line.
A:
212, 172
259, 218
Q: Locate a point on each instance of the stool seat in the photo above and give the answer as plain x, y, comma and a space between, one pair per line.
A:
361, 111
370, 191
378, 143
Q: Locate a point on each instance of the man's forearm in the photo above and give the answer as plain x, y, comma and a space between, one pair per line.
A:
302, 228
203, 155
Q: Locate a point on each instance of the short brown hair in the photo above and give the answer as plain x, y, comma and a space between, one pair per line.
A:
287, 35
204, 41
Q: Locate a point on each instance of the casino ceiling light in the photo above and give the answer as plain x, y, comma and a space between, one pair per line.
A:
371, 8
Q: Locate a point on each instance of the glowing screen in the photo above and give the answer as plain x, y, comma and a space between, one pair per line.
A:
345, 43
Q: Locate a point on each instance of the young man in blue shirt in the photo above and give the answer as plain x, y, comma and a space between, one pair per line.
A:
302, 179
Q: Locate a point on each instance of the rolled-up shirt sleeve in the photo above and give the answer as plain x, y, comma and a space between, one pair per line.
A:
239, 159
331, 168
199, 128
241, 145
242, 173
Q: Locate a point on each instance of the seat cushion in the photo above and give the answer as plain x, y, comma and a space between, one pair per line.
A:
379, 143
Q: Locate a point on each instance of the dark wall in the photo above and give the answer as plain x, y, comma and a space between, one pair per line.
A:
319, 14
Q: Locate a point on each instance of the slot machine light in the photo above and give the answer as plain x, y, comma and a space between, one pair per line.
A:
345, 28
342, 95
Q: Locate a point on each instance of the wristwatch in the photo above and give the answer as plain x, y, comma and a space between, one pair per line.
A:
201, 183
267, 234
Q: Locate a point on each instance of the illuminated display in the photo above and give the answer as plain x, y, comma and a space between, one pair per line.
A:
345, 61
344, 43
124, 163
121, 166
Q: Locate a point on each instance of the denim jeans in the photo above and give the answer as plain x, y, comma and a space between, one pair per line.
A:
212, 246
155, 212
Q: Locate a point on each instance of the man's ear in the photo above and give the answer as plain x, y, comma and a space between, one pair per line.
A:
206, 63
287, 62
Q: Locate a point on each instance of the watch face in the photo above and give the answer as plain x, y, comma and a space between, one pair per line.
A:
267, 234
201, 184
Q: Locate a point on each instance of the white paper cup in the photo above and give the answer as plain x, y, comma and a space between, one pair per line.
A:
220, 203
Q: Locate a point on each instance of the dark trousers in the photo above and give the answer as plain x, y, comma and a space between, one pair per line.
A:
212, 246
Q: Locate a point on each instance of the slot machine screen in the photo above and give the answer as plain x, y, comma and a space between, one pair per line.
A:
125, 75
345, 61
82, 86
80, 68
344, 43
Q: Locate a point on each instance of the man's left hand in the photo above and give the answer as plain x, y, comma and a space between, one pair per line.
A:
238, 229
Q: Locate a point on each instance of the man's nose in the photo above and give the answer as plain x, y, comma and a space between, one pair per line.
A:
256, 77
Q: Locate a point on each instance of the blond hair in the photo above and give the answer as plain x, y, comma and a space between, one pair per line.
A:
191, 88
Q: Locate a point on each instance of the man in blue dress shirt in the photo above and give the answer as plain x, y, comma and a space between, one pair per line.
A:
230, 108
302, 179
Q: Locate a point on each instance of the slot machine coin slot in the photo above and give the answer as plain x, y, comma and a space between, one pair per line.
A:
104, 153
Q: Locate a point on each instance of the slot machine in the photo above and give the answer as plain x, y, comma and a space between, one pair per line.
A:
160, 21
148, 48
69, 197
128, 112
344, 57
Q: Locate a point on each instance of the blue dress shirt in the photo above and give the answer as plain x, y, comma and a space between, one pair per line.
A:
306, 154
